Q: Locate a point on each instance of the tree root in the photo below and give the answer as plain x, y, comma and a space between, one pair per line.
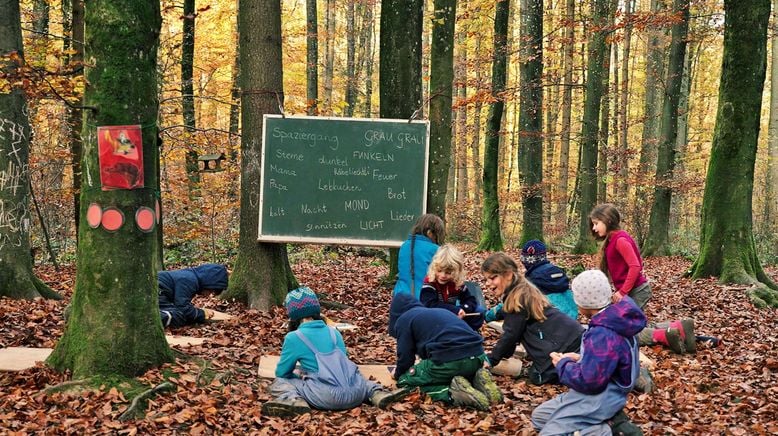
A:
135, 406
63, 386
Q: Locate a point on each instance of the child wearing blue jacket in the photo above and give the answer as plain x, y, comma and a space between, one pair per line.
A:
452, 355
549, 278
178, 287
327, 379
415, 254
603, 373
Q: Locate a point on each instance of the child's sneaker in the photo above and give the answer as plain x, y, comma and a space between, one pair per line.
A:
277, 407
674, 341
382, 398
464, 394
484, 382
689, 339
621, 425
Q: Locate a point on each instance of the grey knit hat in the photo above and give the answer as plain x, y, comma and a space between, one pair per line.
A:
591, 289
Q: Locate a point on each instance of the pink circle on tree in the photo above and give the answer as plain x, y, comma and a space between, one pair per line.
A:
93, 215
144, 218
112, 219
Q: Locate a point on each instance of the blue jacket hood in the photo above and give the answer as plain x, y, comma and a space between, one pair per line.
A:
624, 317
211, 276
401, 303
549, 278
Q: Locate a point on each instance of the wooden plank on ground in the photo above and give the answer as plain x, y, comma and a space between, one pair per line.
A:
183, 341
20, 358
377, 373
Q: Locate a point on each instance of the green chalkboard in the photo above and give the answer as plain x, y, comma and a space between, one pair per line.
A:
342, 180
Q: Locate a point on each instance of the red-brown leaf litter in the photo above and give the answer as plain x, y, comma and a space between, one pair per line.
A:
731, 389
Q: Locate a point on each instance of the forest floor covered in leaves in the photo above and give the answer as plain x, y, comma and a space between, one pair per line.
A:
731, 389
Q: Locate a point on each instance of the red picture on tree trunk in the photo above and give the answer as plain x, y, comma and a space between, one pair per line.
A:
121, 157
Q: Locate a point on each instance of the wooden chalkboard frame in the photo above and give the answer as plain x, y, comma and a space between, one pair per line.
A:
292, 237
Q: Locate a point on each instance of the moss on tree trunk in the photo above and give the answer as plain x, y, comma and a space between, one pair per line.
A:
441, 84
262, 276
114, 325
531, 119
491, 237
659, 221
16, 277
587, 177
727, 248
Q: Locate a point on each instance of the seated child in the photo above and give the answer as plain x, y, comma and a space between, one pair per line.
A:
444, 287
328, 380
530, 319
603, 373
178, 287
452, 355
549, 278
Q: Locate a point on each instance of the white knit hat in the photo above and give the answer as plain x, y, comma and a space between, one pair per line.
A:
591, 289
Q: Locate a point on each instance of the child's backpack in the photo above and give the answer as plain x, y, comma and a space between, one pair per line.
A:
338, 385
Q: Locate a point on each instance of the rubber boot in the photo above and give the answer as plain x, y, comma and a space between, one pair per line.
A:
686, 328
621, 425
293, 407
670, 338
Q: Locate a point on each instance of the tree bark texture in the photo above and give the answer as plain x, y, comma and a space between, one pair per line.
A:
727, 248
658, 227
312, 57
351, 80
567, 105
655, 68
491, 236
75, 115
441, 89
187, 94
622, 156
771, 176
16, 277
329, 56
399, 67
262, 276
587, 176
114, 325
531, 118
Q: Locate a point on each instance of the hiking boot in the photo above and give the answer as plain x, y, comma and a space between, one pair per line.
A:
278, 407
644, 383
382, 398
464, 394
484, 382
621, 425
674, 341
689, 339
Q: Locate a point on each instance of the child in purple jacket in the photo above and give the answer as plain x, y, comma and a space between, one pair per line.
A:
603, 373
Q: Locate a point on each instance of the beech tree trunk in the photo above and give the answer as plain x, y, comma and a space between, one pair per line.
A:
771, 176
74, 27
399, 67
491, 236
262, 276
312, 57
114, 325
659, 229
567, 105
531, 118
329, 55
187, 95
727, 248
622, 156
351, 80
587, 176
16, 277
441, 88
